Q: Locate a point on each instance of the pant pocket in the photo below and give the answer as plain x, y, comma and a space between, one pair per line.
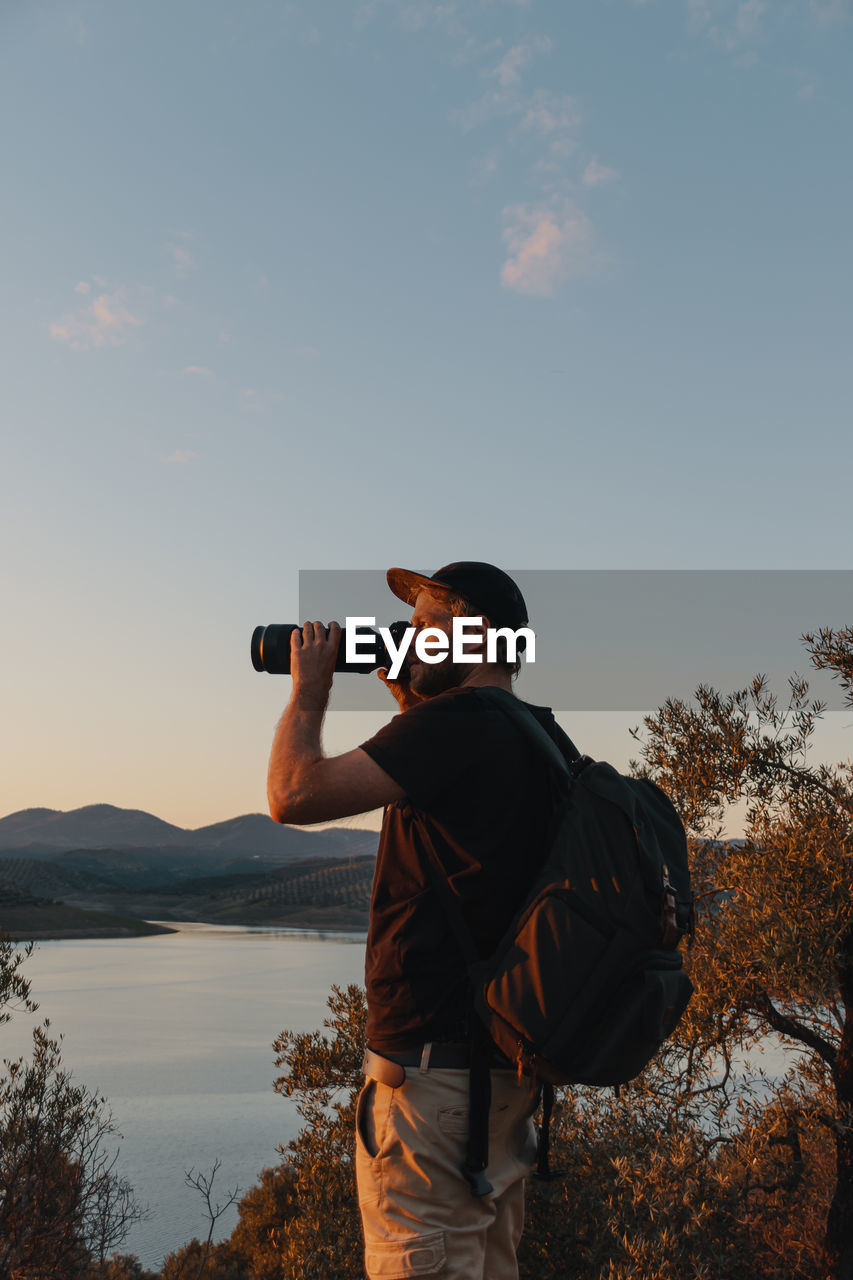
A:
374, 1119
453, 1121
406, 1256
365, 1121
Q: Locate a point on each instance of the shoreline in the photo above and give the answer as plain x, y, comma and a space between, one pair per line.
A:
146, 929
155, 928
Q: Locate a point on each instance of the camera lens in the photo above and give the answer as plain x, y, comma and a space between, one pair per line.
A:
271, 648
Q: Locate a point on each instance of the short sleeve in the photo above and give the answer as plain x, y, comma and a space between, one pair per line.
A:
428, 749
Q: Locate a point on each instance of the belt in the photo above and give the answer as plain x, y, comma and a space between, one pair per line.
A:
389, 1068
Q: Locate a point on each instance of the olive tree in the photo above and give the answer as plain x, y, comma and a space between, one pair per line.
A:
320, 1234
63, 1208
62, 1205
778, 905
14, 987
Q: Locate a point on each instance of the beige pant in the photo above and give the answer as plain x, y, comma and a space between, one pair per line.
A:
417, 1210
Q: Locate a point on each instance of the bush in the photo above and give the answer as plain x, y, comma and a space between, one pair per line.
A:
62, 1206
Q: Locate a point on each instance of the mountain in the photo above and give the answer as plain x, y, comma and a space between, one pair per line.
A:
93, 826
133, 866
36, 832
256, 833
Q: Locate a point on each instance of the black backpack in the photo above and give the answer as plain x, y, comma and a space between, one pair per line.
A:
587, 982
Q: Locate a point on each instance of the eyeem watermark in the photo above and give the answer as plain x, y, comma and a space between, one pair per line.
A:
620, 640
432, 645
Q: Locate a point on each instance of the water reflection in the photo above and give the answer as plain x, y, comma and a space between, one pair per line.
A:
176, 1030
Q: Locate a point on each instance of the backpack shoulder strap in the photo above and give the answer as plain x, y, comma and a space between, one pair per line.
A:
526, 721
542, 741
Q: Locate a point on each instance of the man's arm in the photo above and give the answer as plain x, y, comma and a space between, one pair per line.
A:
303, 785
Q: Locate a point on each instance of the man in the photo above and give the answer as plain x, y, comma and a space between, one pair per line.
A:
453, 771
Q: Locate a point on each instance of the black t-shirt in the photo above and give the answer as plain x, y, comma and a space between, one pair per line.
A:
486, 797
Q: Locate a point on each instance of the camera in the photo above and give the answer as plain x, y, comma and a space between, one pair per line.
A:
271, 648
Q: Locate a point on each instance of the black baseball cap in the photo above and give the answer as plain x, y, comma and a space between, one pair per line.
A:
487, 590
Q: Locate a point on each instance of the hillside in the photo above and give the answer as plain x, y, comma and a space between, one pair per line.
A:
25, 917
316, 893
325, 893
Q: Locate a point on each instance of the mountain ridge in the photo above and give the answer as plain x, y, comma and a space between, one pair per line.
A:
105, 826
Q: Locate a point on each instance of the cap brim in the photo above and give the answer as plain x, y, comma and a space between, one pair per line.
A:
407, 585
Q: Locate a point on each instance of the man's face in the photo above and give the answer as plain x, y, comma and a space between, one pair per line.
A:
428, 679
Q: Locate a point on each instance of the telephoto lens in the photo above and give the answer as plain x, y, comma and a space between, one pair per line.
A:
271, 648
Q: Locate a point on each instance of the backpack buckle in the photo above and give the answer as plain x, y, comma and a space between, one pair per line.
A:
670, 931
477, 1180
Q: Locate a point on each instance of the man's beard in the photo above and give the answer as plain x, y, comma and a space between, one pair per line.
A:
429, 679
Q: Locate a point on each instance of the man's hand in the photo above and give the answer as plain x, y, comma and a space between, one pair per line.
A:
401, 690
312, 660
303, 785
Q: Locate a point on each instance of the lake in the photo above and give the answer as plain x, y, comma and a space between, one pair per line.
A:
176, 1031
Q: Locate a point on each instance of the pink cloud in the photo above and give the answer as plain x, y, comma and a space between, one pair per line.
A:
105, 322
546, 246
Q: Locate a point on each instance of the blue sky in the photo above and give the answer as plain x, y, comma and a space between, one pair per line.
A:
298, 286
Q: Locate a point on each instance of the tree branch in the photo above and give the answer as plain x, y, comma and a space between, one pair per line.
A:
806, 778
791, 1028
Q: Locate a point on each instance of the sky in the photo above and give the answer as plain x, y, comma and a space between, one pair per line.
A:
291, 286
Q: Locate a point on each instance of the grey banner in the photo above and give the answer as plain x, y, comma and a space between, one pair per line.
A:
625, 640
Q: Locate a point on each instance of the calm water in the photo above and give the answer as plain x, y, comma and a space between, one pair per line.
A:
177, 1032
